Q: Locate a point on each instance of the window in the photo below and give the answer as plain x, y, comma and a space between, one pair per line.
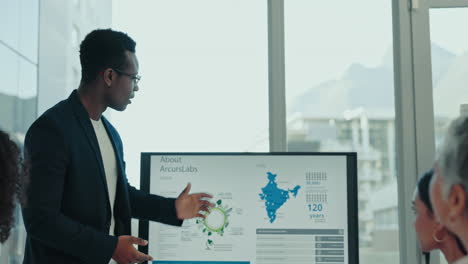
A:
18, 93
204, 83
449, 54
340, 97
9, 89
9, 22
29, 29
27, 96
75, 37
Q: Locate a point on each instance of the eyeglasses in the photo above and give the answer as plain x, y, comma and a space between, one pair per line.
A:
135, 77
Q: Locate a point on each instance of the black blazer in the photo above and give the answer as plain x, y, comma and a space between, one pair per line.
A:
67, 214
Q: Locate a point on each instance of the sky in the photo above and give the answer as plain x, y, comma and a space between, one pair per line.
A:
447, 28
204, 65
204, 77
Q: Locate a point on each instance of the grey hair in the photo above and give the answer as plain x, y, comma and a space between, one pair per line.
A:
452, 158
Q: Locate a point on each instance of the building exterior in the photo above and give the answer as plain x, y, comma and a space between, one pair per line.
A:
19, 26
39, 44
373, 138
63, 25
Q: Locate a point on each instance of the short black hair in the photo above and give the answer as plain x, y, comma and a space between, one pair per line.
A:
102, 49
423, 189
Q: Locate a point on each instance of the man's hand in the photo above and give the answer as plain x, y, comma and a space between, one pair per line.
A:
192, 205
125, 253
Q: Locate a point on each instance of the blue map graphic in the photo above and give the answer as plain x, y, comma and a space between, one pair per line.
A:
275, 197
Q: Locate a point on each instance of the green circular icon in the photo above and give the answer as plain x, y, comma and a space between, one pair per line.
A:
216, 220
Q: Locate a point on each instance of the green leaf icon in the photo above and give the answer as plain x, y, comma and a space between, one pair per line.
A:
219, 202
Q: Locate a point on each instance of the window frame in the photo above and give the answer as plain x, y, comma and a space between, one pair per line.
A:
415, 146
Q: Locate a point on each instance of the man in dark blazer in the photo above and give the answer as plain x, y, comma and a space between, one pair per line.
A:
75, 179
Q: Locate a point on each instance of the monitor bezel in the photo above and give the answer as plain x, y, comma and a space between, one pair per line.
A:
352, 189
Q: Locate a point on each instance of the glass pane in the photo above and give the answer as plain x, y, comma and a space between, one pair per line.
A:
340, 97
449, 56
18, 104
29, 28
205, 84
9, 23
9, 89
27, 96
75, 37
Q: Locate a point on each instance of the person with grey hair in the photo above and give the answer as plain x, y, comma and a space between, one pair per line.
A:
449, 187
431, 234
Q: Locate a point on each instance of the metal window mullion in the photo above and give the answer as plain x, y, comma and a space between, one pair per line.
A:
405, 126
423, 101
276, 76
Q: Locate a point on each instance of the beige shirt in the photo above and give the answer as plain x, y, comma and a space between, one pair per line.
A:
110, 166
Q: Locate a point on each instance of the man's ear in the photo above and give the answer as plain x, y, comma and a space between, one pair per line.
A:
108, 75
456, 202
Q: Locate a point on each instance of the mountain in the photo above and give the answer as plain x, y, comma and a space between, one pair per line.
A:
368, 87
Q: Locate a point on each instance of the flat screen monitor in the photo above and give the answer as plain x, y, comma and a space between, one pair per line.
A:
270, 208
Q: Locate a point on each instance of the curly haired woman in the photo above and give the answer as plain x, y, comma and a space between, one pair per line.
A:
11, 183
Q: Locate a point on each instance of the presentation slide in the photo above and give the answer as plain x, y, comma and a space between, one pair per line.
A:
270, 209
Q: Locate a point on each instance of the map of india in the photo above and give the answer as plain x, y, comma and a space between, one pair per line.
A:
275, 197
